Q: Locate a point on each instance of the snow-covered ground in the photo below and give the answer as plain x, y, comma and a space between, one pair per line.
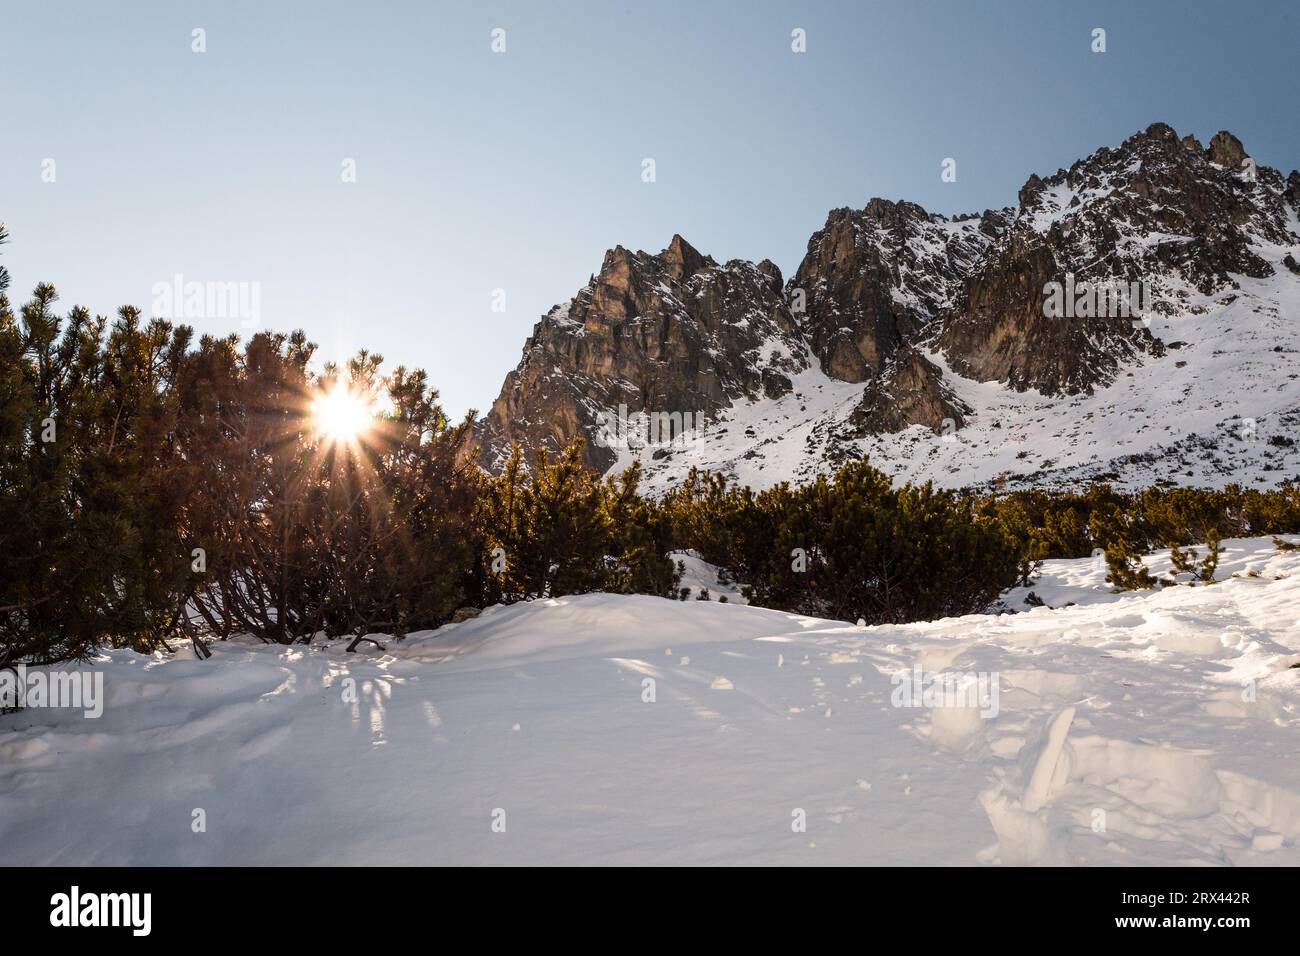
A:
1160, 727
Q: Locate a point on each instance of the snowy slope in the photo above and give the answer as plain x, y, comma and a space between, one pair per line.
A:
537, 710
1204, 414
1212, 397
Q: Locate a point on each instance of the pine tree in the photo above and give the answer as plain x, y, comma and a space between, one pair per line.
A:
640, 538
1213, 551
1126, 570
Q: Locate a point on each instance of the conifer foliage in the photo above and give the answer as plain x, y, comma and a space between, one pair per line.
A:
560, 529
88, 510
852, 546
153, 488
156, 488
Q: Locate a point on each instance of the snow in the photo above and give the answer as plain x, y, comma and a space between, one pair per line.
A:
1221, 406
1203, 414
699, 575
1158, 727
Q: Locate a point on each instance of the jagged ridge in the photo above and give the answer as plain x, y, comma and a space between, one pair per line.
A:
896, 316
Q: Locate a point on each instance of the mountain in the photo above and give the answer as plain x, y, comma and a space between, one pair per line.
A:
669, 331
1130, 319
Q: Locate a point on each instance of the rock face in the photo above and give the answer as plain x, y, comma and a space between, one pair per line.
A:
998, 331
897, 317
673, 333
911, 391
873, 278
1157, 211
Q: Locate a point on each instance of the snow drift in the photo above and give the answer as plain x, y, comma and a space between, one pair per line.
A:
1159, 727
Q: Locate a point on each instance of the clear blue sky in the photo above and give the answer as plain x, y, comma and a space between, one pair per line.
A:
478, 171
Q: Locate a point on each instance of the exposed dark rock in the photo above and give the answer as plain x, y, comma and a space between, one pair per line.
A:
882, 287
1226, 150
673, 333
1032, 187
873, 278
910, 391
1093, 223
999, 332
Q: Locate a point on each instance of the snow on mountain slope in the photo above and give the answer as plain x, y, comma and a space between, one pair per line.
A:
1222, 405
928, 343
1176, 716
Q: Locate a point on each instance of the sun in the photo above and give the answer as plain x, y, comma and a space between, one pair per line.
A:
343, 415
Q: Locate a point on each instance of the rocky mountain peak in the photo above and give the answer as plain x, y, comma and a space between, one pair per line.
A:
873, 278
1158, 212
681, 260
673, 333
1226, 150
897, 317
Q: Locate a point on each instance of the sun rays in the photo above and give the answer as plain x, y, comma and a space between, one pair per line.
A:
344, 415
